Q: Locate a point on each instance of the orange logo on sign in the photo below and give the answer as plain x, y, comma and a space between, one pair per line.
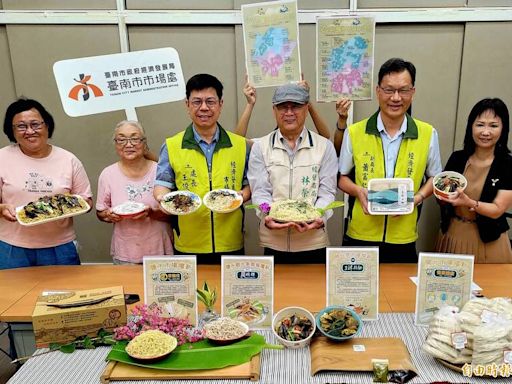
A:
84, 86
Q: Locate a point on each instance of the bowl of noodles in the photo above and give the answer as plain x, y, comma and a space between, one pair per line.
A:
224, 331
151, 345
297, 211
222, 200
180, 202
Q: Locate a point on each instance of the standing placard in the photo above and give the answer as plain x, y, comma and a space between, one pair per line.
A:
106, 83
353, 280
170, 283
248, 289
443, 279
344, 62
271, 38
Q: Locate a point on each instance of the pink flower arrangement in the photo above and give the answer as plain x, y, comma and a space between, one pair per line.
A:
144, 318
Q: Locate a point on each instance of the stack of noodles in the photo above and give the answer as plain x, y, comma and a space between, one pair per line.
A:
485, 324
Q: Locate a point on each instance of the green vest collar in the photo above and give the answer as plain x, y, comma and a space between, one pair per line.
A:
189, 142
410, 133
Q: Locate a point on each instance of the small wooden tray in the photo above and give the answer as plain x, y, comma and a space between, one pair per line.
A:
341, 355
116, 371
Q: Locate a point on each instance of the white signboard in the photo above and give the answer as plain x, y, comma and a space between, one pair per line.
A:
106, 83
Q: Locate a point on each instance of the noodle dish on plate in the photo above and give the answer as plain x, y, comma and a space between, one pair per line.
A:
222, 200
180, 202
293, 211
151, 345
51, 208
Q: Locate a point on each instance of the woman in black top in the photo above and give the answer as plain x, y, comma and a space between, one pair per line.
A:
474, 221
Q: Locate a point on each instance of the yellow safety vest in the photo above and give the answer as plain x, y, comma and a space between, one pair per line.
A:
205, 231
369, 164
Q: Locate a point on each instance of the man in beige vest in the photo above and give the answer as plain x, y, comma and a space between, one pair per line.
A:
293, 162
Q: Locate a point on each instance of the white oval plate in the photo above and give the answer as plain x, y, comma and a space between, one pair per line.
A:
129, 208
82, 200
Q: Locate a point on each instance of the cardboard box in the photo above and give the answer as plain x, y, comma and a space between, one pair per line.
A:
61, 317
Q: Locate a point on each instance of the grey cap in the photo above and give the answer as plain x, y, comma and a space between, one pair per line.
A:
291, 92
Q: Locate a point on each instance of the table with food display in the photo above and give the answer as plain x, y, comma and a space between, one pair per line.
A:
393, 338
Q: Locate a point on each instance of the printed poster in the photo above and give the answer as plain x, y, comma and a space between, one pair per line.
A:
170, 283
248, 289
271, 37
353, 280
443, 279
345, 47
119, 81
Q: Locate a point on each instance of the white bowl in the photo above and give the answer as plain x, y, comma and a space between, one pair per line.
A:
169, 207
287, 312
237, 200
440, 193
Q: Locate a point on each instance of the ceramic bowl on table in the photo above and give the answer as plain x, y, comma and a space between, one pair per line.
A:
447, 182
338, 322
294, 327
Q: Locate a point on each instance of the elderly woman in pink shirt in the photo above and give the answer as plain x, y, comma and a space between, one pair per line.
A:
131, 180
32, 168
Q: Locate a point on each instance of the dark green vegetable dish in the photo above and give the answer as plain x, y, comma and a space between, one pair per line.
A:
339, 323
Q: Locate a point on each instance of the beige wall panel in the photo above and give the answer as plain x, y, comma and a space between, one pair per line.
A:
179, 4
485, 70
410, 3
489, 3
305, 4
34, 50
435, 50
59, 4
7, 94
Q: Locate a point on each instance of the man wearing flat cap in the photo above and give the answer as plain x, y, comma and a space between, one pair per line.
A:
293, 162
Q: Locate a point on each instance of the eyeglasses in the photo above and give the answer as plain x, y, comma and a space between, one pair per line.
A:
211, 102
132, 140
294, 107
402, 91
34, 125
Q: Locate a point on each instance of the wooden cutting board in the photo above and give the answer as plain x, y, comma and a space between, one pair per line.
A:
116, 371
345, 355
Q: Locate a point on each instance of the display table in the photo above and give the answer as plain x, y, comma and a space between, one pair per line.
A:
302, 285
277, 366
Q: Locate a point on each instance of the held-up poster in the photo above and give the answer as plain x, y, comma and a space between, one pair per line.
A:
248, 289
443, 279
271, 38
345, 48
353, 280
170, 283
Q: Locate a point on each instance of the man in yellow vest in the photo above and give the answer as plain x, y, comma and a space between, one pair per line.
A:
202, 158
389, 144
295, 163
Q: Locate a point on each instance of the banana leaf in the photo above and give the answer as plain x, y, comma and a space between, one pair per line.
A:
200, 355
